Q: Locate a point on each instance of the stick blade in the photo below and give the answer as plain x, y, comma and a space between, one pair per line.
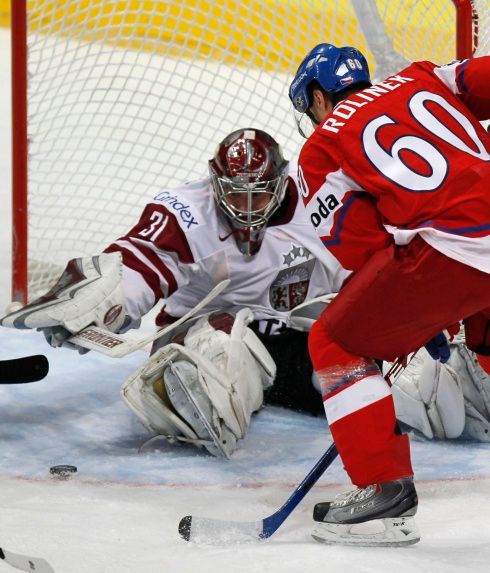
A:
103, 341
24, 370
203, 530
25, 563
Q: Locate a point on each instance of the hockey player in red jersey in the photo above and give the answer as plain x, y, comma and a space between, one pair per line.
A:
414, 145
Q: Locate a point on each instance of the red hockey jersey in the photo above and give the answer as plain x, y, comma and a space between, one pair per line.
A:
415, 145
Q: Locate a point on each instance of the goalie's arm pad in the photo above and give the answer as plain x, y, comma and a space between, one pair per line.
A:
89, 291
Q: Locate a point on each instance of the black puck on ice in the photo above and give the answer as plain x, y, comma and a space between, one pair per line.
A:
63, 471
185, 527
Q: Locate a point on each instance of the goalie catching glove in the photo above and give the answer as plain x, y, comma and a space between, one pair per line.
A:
89, 292
204, 389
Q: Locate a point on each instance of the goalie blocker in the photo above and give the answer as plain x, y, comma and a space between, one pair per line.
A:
203, 387
88, 292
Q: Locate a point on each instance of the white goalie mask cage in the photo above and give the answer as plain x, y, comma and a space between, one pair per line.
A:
249, 178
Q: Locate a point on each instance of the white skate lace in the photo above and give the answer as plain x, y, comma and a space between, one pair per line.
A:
354, 496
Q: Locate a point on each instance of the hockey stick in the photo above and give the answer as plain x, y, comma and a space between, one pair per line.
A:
116, 346
23, 370
206, 530
25, 563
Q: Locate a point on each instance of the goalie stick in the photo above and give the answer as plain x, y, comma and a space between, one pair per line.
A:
219, 531
25, 563
116, 346
23, 370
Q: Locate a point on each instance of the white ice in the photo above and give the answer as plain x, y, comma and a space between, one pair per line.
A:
121, 510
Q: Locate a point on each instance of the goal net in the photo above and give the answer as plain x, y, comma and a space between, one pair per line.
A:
115, 100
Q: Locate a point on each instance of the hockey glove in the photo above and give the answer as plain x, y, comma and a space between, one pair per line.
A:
88, 292
438, 348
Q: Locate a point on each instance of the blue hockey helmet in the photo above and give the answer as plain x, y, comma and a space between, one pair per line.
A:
335, 69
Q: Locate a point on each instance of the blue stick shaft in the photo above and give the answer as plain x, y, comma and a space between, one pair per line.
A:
272, 523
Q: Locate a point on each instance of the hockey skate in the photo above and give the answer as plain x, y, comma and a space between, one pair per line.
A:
378, 515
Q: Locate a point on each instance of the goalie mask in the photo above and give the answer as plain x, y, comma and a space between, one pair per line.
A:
249, 178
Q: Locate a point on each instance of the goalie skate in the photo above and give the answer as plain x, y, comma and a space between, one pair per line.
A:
379, 515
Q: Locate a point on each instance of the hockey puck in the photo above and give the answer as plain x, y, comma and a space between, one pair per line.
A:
63, 471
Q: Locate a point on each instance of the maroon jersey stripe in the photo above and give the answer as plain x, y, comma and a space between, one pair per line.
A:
157, 262
160, 227
131, 261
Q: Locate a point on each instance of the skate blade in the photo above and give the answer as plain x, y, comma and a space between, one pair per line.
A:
387, 532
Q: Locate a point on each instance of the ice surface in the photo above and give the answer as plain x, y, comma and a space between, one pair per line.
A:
121, 511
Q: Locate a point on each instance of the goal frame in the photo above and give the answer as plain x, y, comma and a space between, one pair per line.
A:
466, 43
19, 152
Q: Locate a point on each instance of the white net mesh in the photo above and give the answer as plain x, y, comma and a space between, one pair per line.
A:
129, 96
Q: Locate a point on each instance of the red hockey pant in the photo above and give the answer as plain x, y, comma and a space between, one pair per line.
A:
395, 304
360, 412
403, 297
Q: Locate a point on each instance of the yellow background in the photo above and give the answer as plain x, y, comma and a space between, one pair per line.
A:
5, 13
261, 33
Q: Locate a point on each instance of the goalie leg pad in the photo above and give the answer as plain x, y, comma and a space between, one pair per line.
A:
212, 383
428, 397
476, 426
143, 392
411, 410
186, 390
476, 390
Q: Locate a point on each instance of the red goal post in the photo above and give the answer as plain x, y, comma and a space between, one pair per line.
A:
114, 100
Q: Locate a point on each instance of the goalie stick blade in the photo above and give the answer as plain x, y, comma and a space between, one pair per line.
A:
217, 531
23, 370
117, 346
25, 563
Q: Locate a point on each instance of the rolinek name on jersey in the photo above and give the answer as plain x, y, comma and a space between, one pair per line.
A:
178, 206
348, 107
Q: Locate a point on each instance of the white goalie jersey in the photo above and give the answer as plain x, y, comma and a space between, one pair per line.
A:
204, 389
205, 381
181, 248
